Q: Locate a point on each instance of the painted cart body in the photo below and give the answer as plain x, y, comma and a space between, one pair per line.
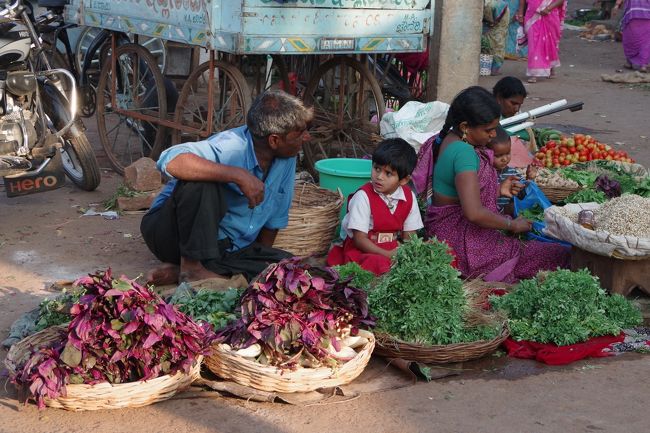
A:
268, 26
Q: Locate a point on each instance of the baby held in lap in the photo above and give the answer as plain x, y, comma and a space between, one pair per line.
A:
501, 146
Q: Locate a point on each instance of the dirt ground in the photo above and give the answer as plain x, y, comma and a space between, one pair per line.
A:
44, 239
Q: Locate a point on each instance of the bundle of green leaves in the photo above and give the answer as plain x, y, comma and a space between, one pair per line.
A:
565, 307
354, 275
421, 299
56, 311
214, 307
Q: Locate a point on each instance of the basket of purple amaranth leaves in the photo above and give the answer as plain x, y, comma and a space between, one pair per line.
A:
124, 347
301, 329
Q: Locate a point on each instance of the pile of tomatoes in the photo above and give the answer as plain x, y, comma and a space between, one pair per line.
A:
577, 148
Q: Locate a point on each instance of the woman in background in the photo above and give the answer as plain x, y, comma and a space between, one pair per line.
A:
496, 19
542, 21
635, 27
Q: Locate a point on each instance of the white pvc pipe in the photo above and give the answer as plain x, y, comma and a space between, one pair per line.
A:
532, 113
519, 127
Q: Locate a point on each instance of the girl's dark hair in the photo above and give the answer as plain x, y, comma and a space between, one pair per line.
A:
474, 105
507, 87
501, 137
397, 154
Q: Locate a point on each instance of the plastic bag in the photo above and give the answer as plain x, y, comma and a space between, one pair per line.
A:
415, 122
522, 39
533, 195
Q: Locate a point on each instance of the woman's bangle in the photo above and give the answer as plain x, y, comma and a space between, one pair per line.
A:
508, 224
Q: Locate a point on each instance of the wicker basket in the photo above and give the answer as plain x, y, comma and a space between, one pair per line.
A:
391, 347
313, 218
245, 372
102, 395
556, 195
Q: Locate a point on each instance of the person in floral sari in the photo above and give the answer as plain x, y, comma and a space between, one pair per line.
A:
542, 21
464, 210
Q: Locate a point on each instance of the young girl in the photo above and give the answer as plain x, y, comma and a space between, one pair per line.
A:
501, 146
381, 212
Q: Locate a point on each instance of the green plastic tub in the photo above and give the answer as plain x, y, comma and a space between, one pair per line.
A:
343, 174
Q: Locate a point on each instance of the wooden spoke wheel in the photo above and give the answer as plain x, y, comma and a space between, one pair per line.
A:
263, 72
231, 100
137, 87
348, 105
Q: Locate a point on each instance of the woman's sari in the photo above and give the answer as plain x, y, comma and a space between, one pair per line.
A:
496, 18
489, 252
635, 27
544, 33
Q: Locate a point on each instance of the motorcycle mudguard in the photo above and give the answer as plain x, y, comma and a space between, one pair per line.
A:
49, 176
56, 106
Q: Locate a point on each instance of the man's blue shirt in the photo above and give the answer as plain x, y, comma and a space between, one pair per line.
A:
235, 147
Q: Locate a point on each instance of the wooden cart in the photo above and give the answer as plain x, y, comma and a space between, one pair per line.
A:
248, 46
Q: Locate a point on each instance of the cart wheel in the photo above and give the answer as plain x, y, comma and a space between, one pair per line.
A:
155, 46
348, 105
139, 88
231, 100
263, 72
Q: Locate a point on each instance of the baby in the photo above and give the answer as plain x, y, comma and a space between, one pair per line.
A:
500, 145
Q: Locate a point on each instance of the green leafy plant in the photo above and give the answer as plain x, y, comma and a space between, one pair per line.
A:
121, 191
56, 311
421, 299
214, 307
586, 196
355, 275
533, 213
565, 307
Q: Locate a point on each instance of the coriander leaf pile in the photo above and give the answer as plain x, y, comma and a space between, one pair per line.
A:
421, 299
355, 275
218, 308
565, 307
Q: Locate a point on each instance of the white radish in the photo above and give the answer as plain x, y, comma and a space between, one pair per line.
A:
252, 351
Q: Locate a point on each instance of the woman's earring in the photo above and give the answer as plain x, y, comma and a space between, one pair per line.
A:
464, 137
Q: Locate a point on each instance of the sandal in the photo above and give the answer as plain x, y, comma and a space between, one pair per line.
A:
627, 65
643, 69
531, 80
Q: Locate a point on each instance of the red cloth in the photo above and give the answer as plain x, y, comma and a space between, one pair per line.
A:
383, 221
552, 354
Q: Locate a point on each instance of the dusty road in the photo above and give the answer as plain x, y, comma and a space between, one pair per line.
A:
44, 239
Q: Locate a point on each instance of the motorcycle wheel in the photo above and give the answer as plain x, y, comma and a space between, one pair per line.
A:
79, 161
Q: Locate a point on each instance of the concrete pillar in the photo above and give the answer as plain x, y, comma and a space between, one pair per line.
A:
454, 48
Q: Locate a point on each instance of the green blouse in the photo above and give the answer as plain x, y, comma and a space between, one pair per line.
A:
456, 158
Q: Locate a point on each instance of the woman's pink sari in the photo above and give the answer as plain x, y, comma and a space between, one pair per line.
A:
489, 252
544, 33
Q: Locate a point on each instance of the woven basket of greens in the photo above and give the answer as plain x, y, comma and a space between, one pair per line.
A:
424, 313
124, 347
300, 329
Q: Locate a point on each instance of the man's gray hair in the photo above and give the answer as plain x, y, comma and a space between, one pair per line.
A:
277, 112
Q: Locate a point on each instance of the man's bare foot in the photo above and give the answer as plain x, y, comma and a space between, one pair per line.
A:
165, 274
193, 270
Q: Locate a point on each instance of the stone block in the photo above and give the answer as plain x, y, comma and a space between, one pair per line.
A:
139, 202
142, 175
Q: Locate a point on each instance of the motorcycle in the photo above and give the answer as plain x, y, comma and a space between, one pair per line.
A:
41, 140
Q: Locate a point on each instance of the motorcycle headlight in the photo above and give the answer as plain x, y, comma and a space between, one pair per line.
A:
21, 83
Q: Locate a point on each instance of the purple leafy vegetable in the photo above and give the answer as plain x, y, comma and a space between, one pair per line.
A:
610, 187
295, 309
120, 332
